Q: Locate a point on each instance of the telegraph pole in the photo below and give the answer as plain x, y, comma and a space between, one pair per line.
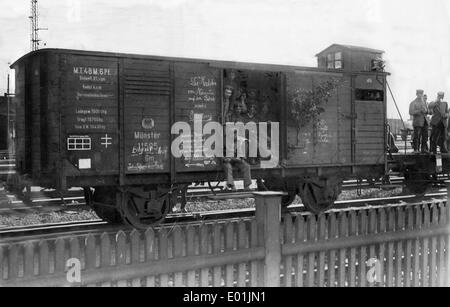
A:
34, 18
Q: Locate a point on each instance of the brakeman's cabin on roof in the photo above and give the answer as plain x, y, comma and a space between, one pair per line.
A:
350, 58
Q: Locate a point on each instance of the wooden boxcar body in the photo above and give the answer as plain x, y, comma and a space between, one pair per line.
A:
95, 119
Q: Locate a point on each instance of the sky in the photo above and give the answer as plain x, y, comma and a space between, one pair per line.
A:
415, 34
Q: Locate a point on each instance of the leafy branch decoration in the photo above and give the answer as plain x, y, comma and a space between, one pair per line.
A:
306, 106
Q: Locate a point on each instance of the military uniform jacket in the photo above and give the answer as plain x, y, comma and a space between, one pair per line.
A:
418, 110
440, 113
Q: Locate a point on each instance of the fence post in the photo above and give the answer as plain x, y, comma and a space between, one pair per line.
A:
268, 219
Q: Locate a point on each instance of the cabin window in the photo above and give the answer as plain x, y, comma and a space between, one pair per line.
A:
334, 60
369, 95
330, 61
338, 60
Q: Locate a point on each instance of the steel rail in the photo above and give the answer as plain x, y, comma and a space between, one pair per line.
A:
75, 200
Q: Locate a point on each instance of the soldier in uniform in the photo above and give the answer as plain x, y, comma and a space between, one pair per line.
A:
238, 115
439, 124
264, 115
242, 101
252, 116
231, 94
418, 109
227, 99
252, 112
229, 163
425, 99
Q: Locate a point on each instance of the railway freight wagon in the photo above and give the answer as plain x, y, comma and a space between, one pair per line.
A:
108, 122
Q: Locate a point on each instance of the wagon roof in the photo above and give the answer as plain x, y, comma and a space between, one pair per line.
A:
213, 63
351, 48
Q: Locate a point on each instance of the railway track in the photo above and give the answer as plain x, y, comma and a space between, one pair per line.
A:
40, 201
43, 201
51, 201
11, 234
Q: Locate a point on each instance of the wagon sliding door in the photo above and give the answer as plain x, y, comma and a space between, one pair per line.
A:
197, 94
313, 143
369, 126
146, 116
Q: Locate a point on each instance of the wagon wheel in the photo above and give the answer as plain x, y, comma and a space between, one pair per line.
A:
318, 196
274, 184
416, 182
103, 202
143, 212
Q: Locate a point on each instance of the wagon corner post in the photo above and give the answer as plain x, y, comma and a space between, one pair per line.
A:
268, 219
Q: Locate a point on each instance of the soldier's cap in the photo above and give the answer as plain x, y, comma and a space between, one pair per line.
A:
419, 91
441, 93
